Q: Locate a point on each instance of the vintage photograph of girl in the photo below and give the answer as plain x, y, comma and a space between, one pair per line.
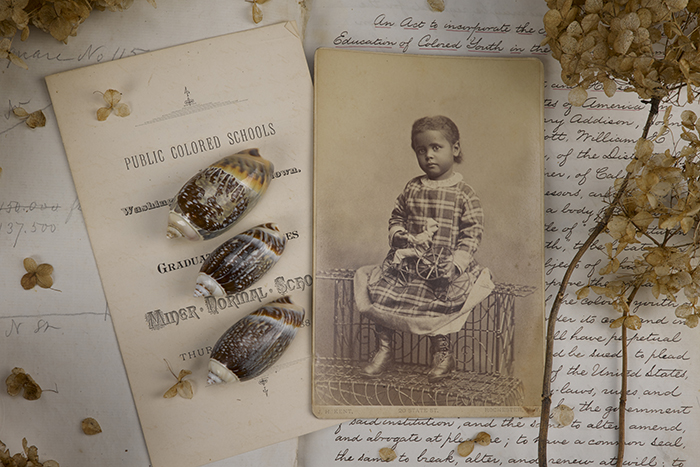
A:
428, 239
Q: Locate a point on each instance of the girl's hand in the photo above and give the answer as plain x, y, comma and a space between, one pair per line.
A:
448, 270
400, 239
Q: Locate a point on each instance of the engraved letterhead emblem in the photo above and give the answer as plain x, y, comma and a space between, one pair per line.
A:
188, 101
190, 107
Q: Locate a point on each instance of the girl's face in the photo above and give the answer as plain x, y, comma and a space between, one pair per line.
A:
435, 154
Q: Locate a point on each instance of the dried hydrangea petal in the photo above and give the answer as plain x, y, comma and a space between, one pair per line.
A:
20, 112
436, 5
172, 392
44, 281
387, 454
594, 6
112, 97
676, 5
28, 281
184, 389
465, 448
257, 13
122, 110
44, 269
633, 322
15, 381
32, 391
90, 426
103, 113
36, 119
483, 438
609, 87
685, 310
552, 19
563, 415
30, 265
578, 96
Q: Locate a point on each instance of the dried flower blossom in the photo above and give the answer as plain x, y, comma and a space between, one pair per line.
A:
183, 387
612, 42
90, 426
20, 380
387, 454
6, 53
13, 10
112, 98
33, 120
30, 458
36, 275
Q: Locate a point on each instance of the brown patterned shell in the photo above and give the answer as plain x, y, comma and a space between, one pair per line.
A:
217, 197
255, 343
240, 261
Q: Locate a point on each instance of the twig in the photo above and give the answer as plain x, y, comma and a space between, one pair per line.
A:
556, 305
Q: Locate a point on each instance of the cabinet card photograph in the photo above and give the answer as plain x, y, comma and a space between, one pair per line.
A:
428, 236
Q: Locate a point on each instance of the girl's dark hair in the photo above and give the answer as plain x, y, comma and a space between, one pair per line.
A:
437, 123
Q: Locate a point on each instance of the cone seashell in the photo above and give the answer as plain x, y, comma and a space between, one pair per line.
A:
255, 343
240, 261
217, 197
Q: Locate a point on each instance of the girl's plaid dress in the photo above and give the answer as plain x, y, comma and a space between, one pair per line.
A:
401, 291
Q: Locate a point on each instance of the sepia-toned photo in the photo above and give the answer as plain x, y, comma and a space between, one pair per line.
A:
428, 236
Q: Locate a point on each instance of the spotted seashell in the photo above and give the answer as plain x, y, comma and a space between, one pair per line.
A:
240, 261
255, 343
217, 197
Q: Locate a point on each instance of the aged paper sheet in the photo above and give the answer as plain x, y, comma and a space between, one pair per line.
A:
190, 106
364, 164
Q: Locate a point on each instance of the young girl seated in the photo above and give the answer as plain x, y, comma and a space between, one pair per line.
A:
426, 284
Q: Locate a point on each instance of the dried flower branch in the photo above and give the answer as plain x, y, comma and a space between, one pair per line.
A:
33, 120
36, 275
183, 387
612, 43
112, 98
20, 380
30, 458
90, 426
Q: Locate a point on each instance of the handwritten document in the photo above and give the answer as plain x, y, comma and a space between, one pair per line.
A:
586, 149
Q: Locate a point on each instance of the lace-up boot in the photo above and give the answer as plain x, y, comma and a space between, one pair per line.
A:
384, 355
443, 363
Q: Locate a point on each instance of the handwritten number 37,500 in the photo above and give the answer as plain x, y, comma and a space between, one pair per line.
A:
17, 228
